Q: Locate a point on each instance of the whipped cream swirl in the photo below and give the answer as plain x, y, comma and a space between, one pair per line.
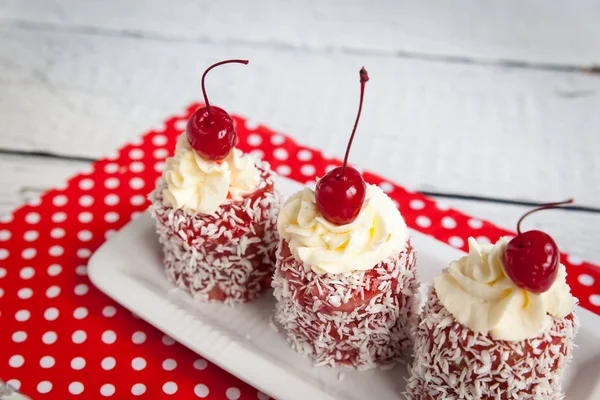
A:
200, 186
478, 293
377, 233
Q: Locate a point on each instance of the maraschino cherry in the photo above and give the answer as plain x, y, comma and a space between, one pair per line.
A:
210, 129
531, 258
341, 192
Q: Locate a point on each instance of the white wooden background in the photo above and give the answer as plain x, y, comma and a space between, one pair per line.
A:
489, 101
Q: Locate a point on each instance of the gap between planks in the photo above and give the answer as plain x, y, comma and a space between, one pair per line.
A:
289, 47
438, 195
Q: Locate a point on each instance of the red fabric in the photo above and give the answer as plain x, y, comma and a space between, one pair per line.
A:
59, 335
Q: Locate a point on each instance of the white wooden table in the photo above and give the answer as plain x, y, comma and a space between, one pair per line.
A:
482, 104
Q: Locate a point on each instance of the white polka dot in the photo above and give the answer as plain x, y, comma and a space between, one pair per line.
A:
1, 294
138, 200
79, 337
14, 383
54, 270
586, 280
81, 289
80, 313
201, 390
35, 201
6, 218
22, 315
111, 199
200, 364
136, 167
28, 254
111, 217
136, 183
75, 388
111, 183
85, 217
111, 168
2, 272
56, 251
416, 204
59, 217
284, 170
304, 155
109, 337
32, 218
3, 254
30, 236
19, 336
167, 340
109, 311
44, 387
49, 337
386, 187
138, 337
84, 235
4, 235
81, 270
136, 154
58, 233
233, 393
108, 363
307, 170
595, 299
16, 361
160, 154
169, 364
254, 140
25, 293
258, 154
51, 313
180, 124
423, 221
47, 362
159, 166
159, 140
78, 363
251, 124
277, 140
280, 154
86, 184
137, 141
27, 273
262, 396
60, 200
456, 241
138, 363
169, 387
475, 223
83, 253
107, 390
86, 201
442, 206
448, 223
574, 260
483, 239
138, 389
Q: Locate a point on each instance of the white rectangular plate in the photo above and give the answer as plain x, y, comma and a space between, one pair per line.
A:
242, 340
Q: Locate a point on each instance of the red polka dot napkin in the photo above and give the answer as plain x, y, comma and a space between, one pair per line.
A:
60, 338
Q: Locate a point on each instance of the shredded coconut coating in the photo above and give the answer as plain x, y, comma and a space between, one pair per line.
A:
360, 320
228, 256
452, 362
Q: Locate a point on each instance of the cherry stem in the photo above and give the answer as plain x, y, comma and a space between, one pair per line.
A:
206, 72
542, 207
364, 77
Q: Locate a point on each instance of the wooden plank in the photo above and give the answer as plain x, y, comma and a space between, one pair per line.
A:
467, 129
26, 177
535, 31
